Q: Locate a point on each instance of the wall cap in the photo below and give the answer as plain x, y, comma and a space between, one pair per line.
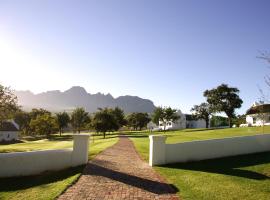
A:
158, 137
81, 135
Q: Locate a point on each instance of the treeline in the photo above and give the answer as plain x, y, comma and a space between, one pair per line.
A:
43, 122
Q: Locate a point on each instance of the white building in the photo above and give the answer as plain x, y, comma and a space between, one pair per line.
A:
258, 115
185, 121
9, 131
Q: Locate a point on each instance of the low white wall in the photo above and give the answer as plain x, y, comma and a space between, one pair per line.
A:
35, 162
206, 149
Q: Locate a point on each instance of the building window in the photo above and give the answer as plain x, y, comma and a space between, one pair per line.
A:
254, 120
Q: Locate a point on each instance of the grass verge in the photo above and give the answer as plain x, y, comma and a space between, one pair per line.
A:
51, 184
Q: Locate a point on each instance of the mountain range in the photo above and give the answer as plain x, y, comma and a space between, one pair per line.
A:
77, 96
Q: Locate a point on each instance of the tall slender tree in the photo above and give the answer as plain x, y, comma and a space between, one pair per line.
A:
79, 118
62, 120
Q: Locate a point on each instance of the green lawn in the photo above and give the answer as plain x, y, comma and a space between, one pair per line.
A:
240, 177
47, 185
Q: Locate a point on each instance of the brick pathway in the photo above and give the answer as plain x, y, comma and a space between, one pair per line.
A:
119, 173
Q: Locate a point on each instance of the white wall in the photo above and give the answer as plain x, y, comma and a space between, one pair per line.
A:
8, 135
35, 162
206, 149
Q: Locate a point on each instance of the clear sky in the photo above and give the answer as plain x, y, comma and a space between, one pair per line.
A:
167, 51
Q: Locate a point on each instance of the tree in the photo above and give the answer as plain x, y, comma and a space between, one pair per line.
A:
138, 120
239, 119
104, 121
202, 111
164, 115
38, 111
132, 121
23, 120
8, 104
158, 113
43, 124
79, 118
219, 121
224, 99
62, 120
142, 120
265, 56
119, 116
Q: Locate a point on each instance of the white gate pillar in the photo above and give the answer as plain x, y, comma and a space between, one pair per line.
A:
80, 149
157, 150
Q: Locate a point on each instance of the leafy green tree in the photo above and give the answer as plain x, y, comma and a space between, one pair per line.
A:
142, 120
157, 115
239, 119
8, 104
224, 99
119, 116
23, 120
219, 121
164, 115
138, 120
202, 111
62, 120
132, 121
44, 125
79, 119
35, 112
104, 120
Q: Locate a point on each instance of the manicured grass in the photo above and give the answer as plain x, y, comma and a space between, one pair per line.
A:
240, 177
47, 185
141, 139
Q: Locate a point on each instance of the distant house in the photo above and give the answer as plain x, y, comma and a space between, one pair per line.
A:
185, 121
258, 114
191, 122
9, 131
152, 126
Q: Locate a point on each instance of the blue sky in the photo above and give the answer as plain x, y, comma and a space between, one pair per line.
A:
167, 51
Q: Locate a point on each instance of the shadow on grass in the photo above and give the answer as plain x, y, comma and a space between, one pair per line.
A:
199, 130
60, 138
142, 183
20, 183
230, 166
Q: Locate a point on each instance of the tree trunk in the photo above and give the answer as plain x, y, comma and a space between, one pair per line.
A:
104, 135
207, 123
164, 125
230, 122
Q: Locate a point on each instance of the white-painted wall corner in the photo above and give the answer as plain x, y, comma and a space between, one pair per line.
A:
80, 149
157, 150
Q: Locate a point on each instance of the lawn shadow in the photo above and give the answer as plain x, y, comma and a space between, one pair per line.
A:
200, 130
142, 183
230, 166
25, 182
60, 138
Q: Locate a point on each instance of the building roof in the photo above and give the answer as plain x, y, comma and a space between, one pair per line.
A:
8, 126
256, 109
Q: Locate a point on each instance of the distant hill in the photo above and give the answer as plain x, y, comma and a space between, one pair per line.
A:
78, 97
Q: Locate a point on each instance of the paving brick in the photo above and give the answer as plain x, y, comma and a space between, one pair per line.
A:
119, 173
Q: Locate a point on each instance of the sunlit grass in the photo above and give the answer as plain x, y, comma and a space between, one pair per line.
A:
47, 185
242, 177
